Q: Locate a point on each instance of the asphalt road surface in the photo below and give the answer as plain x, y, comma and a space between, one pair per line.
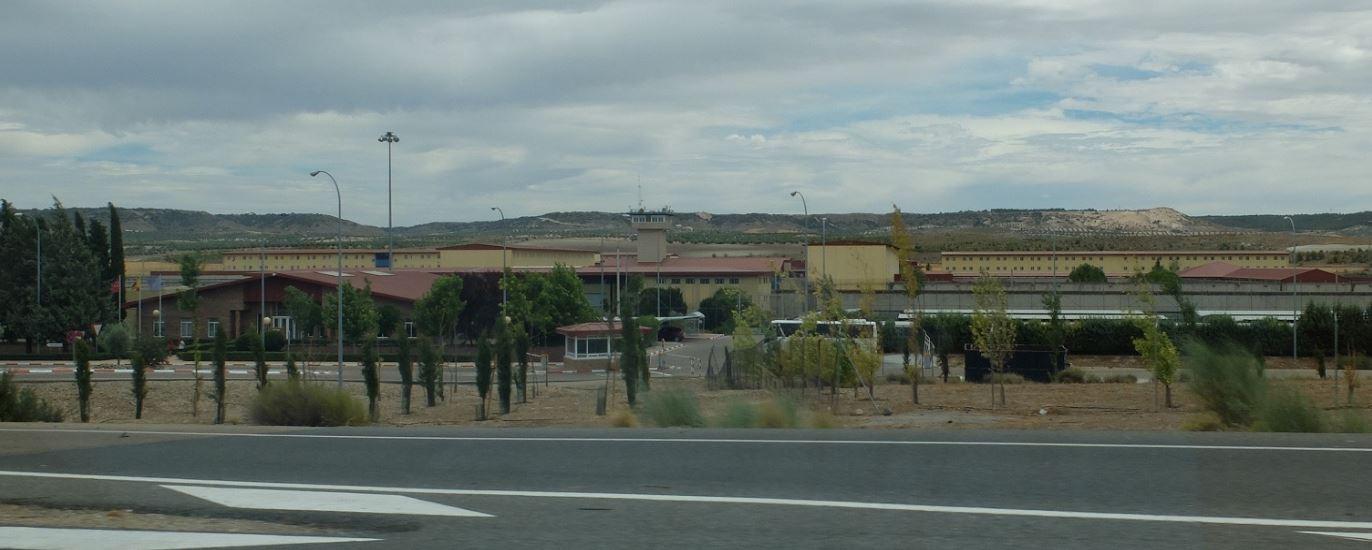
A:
447, 488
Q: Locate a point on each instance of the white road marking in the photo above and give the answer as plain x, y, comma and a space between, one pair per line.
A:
845, 504
715, 440
317, 501
39, 538
238, 371
1349, 536
40, 371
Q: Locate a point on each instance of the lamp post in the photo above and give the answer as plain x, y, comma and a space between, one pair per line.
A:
338, 243
1295, 309
389, 138
262, 287
824, 246
504, 284
805, 247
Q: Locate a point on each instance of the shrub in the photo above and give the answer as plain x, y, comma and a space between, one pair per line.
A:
1203, 423
902, 378
22, 405
672, 407
296, 403
153, 350
778, 413
1005, 378
738, 414
1227, 379
1118, 379
624, 419
1352, 422
1285, 409
1071, 375
274, 340
114, 340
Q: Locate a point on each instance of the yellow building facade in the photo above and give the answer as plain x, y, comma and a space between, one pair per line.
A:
313, 259
853, 265
485, 255
1113, 262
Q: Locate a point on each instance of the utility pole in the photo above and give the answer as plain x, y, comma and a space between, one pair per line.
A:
389, 138
805, 247
1295, 308
262, 287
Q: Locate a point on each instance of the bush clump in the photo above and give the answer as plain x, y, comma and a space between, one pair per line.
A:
665, 408
296, 403
778, 413
1118, 379
1287, 410
1071, 375
1227, 379
22, 405
1004, 378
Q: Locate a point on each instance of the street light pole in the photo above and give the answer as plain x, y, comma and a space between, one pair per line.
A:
262, 287
1295, 309
824, 246
338, 244
389, 138
805, 247
504, 284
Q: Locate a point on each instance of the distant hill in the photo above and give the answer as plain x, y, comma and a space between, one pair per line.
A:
1357, 223
155, 230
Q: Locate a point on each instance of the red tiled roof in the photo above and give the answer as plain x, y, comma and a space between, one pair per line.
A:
1210, 270
596, 328
1119, 253
401, 284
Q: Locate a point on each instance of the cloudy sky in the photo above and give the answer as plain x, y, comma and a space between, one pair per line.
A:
1209, 107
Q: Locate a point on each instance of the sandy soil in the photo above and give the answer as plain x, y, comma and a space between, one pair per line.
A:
35, 516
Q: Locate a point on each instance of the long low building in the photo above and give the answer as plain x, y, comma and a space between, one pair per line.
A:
1113, 262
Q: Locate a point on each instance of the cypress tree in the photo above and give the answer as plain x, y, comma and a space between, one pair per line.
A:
219, 356
259, 356
483, 367
83, 379
406, 368
116, 253
429, 360
370, 376
140, 382
502, 365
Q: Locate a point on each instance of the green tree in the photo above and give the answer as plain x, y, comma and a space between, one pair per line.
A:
521, 351
292, 373
371, 375
139, 378
1087, 273
630, 340
116, 261
83, 379
359, 312
436, 313
1317, 333
259, 357
563, 296
219, 356
188, 300
719, 309
404, 364
993, 331
672, 302
73, 298
99, 242
388, 320
430, 365
305, 312
483, 369
1155, 347
503, 364
114, 339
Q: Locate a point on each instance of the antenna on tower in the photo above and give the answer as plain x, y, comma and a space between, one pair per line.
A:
640, 191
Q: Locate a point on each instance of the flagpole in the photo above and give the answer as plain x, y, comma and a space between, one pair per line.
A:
138, 284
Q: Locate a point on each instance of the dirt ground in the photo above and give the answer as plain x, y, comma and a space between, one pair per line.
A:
45, 516
1119, 406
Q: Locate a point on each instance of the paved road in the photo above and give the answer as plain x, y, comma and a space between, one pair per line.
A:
721, 488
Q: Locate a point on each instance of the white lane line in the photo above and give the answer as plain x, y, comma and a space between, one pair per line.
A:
1349, 536
712, 440
317, 501
975, 510
40, 371
40, 538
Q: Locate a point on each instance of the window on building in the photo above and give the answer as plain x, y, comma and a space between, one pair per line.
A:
676, 280
733, 280
409, 329
187, 328
719, 280
212, 328
690, 280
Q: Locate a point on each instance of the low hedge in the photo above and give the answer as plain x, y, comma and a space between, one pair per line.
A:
320, 356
